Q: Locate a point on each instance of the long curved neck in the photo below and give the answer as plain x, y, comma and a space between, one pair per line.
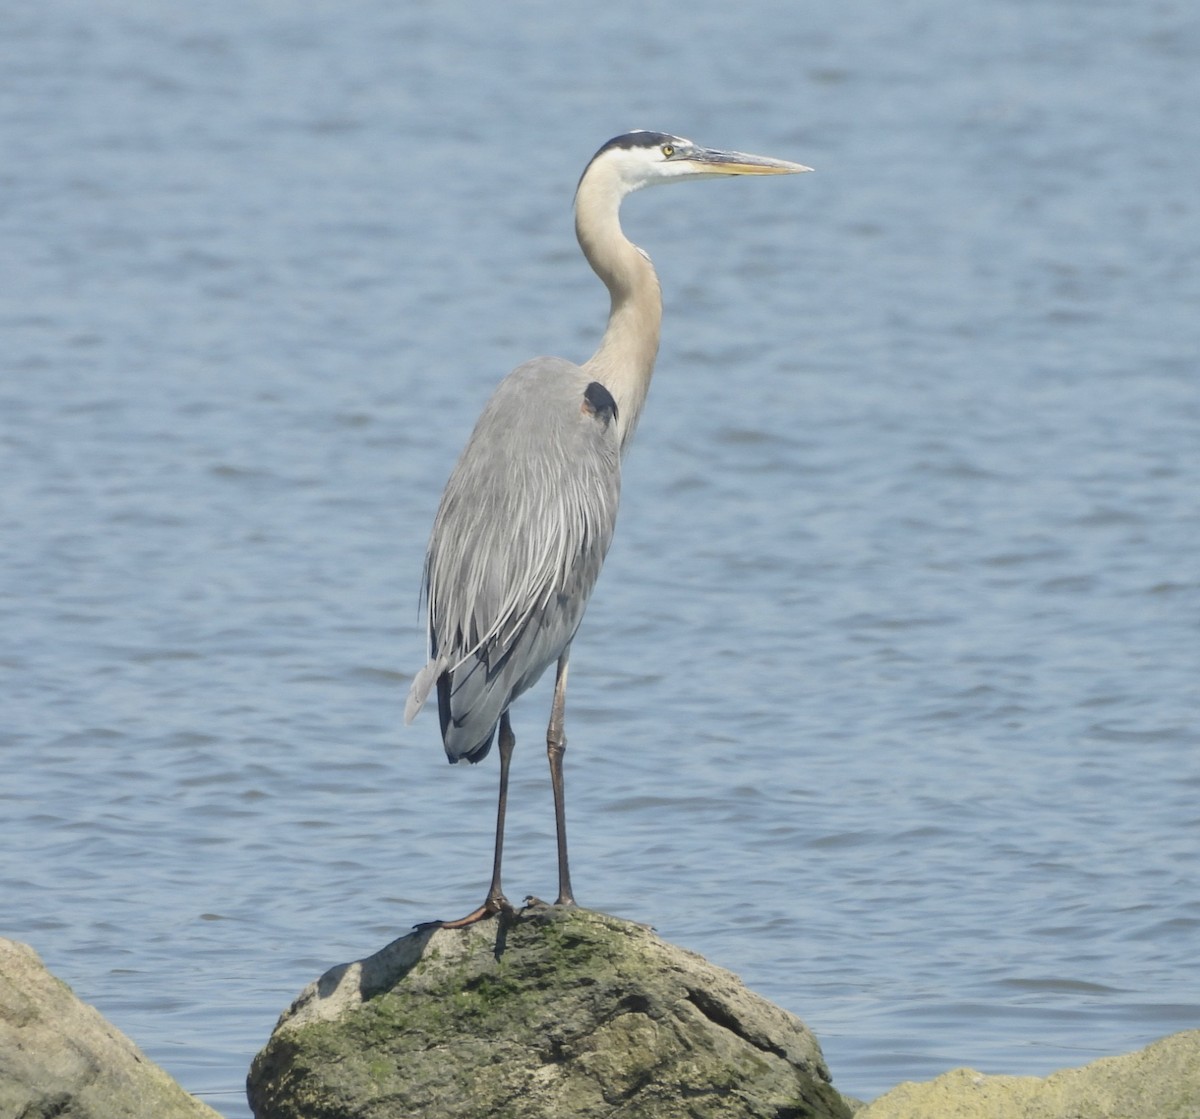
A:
624, 363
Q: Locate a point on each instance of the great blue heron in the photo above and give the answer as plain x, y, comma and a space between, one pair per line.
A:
528, 514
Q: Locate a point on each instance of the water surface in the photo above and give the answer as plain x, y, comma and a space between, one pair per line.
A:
887, 698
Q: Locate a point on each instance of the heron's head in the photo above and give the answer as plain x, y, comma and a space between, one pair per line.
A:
638, 159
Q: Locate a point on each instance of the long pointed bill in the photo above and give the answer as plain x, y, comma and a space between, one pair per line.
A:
708, 161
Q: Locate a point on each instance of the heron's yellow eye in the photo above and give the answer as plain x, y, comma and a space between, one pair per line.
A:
668, 151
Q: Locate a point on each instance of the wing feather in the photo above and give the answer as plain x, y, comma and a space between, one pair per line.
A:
517, 545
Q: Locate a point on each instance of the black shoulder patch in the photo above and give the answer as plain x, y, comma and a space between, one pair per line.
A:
599, 402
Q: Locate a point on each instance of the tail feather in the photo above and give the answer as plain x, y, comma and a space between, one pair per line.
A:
471, 699
470, 735
422, 685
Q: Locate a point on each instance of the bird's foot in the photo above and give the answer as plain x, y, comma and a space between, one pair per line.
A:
531, 901
490, 908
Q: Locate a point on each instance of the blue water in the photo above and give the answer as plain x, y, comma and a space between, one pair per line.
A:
887, 699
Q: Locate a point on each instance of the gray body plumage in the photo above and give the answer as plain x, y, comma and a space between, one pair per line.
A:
517, 544
529, 511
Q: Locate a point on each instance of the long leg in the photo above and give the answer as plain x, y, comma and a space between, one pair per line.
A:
495, 900
556, 744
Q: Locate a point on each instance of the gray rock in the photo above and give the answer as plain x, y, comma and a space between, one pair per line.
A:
547, 1014
1161, 1081
59, 1057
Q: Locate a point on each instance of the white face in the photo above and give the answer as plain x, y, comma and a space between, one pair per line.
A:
641, 159
643, 165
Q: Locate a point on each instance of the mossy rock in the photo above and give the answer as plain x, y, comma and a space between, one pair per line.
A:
551, 1013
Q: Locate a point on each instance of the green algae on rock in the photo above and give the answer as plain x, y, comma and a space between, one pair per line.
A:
544, 1014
